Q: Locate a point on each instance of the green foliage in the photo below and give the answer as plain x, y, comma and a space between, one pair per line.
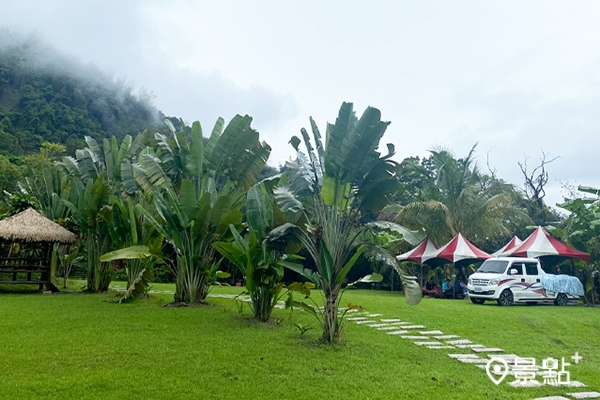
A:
45, 96
332, 185
197, 191
582, 231
451, 195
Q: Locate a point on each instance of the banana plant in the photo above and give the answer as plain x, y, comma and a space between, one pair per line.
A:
260, 262
86, 207
135, 245
191, 224
198, 188
333, 185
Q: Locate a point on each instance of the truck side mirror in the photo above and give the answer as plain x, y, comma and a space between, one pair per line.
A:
513, 271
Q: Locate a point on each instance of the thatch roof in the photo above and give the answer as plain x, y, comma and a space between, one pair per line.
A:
31, 226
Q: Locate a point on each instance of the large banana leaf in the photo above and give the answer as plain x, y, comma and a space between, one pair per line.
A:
412, 237
128, 253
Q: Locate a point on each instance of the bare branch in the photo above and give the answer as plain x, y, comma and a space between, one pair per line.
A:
535, 182
491, 170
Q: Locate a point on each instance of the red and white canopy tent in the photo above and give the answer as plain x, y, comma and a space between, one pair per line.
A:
514, 242
541, 243
423, 252
459, 249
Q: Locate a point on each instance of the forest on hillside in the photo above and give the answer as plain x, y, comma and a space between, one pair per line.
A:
50, 101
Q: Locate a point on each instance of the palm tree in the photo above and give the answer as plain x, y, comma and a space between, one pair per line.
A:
458, 198
333, 186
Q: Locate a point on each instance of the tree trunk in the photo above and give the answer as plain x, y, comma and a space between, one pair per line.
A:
331, 327
191, 285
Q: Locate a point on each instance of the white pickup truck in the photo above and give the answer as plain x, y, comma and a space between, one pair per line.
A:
510, 279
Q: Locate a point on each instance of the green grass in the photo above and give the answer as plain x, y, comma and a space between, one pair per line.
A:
81, 346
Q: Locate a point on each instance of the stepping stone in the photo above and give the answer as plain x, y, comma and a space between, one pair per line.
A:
431, 333
373, 315
377, 325
396, 332
474, 360
439, 347
413, 327
400, 323
487, 350
552, 398
519, 383
390, 320
412, 337
468, 346
458, 356
445, 337
584, 395
367, 321
507, 357
461, 341
574, 384
389, 328
356, 319
427, 343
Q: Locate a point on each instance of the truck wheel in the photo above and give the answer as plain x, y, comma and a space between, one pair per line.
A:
475, 300
506, 298
561, 300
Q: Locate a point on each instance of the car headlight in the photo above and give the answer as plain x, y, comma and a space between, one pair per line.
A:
494, 281
469, 281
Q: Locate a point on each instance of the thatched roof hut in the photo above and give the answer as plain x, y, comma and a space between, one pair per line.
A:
31, 226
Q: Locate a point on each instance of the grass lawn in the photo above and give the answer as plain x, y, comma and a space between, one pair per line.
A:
81, 346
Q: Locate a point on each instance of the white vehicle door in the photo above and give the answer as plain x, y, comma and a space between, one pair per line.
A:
517, 286
534, 289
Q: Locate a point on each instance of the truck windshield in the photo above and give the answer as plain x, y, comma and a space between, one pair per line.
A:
493, 266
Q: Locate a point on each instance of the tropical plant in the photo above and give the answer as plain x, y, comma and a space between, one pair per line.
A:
197, 191
259, 261
135, 245
86, 207
333, 186
455, 197
582, 230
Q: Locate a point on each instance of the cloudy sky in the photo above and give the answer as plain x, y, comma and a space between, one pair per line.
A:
515, 76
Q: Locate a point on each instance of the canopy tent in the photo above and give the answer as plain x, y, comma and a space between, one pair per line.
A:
459, 249
514, 242
540, 243
423, 252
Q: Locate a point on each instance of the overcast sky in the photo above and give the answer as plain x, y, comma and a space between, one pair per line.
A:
514, 76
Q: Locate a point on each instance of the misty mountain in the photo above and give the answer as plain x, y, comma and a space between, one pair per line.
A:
48, 96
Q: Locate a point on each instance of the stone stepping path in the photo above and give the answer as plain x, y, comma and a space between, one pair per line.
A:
395, 326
